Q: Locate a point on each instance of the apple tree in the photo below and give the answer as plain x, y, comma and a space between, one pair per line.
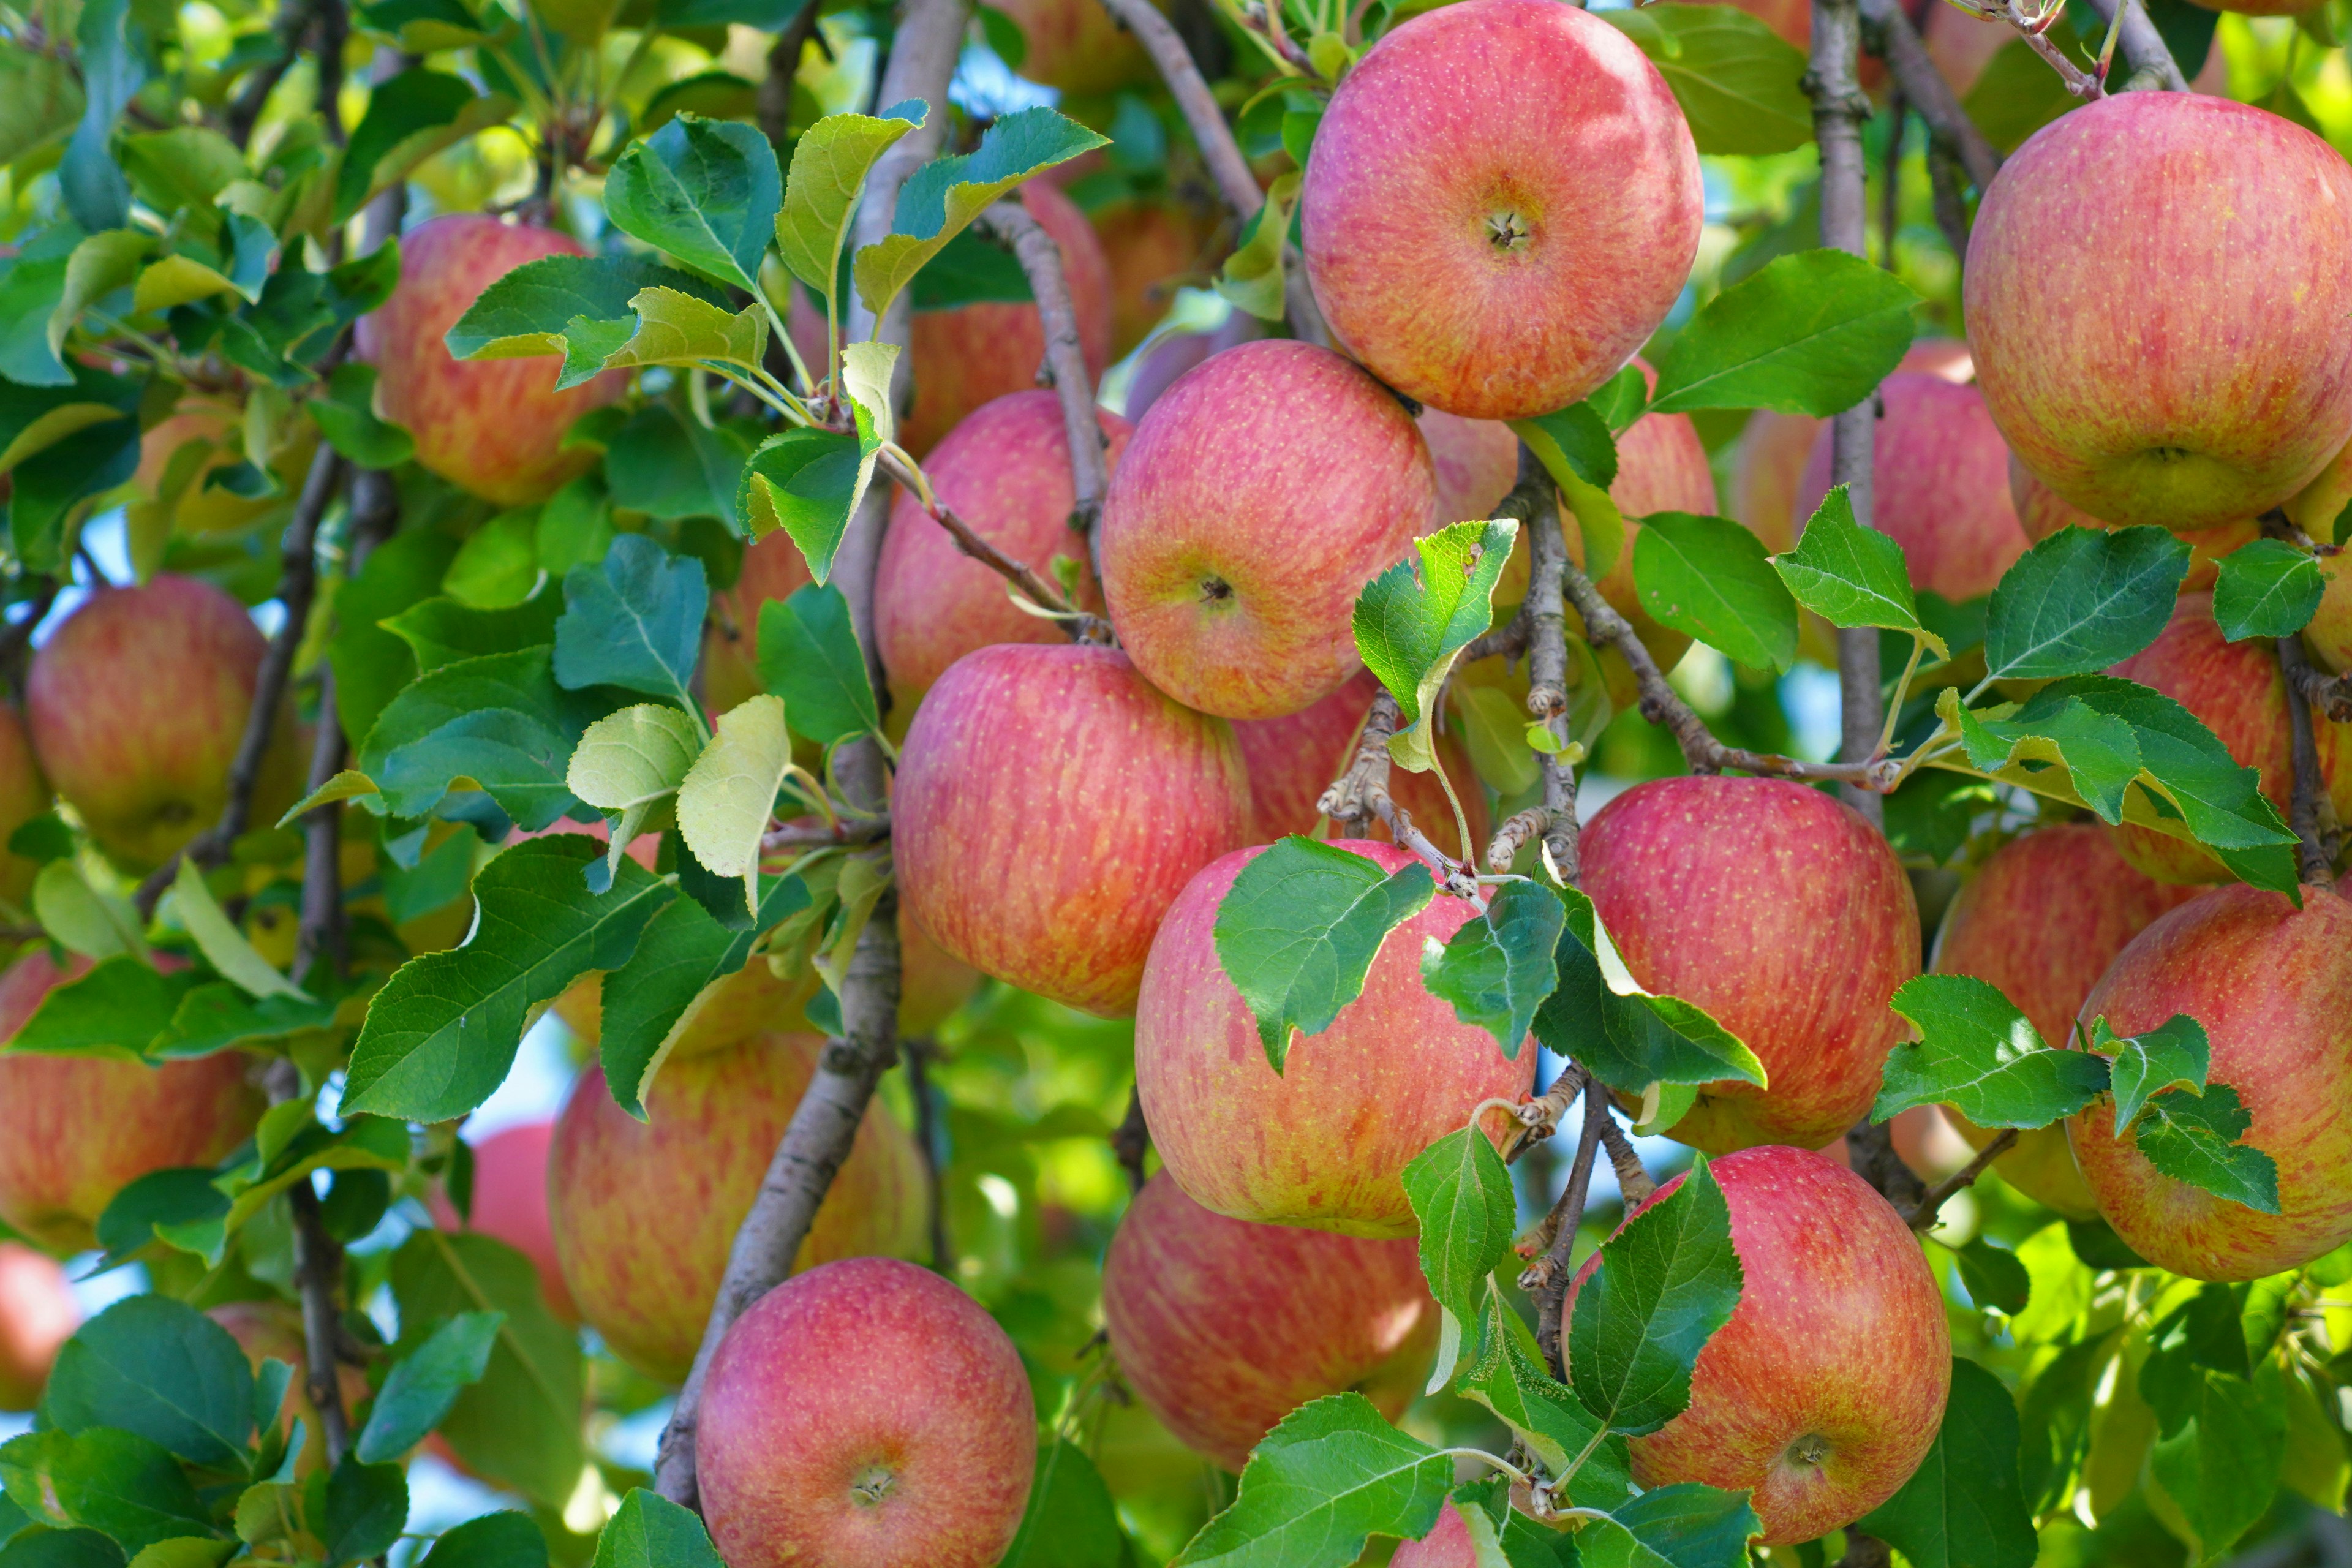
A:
1455, 783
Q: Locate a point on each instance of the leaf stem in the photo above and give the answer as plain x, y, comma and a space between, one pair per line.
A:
1902, 690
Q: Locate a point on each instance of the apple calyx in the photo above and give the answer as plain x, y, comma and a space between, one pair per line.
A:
874, 1484
1810, 1449
1508, 231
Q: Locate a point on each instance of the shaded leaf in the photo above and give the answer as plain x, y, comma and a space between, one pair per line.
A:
157, 1367
2268, 588
1496, 969
634, 621
1630, 1041
1710, 578
808, 655
704, 191
423, 1383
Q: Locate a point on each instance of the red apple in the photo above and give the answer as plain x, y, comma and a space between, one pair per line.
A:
1293, 761
1925, 1139
1826, 1388
79, 1129
643, 1213
2273, 986
865, 1414
1782, 913
1258, 497
1324, 1142
1223, 1327
974, 353
2042, 511
2237, 689
1941, 487
772, 569
24, 795
1006, 471
492, 427
1050, 806
510, 1204
1503, 204
2041, 920
136, 706
2211, 377
1477, 463
1151, 249
38, 1314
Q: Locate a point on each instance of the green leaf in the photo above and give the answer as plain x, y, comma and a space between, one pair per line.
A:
634, 757
366, 1507
945, 195
1330, 1477
95, 193
119, 1483
346, 416
649, 1002
2194, 1138
526, 312
37, 1546
501, 721
32, 290
178, 1206
808, 483
651, 1531
1498, 969
1251, 277
41, 99
1544, 1412
157, 1367
1809, 333
430, 27
1461, 1194
730, 794
423, 1383
99, 266
1975, 1050
2174, 1055
225, 947
1853, 576
120, 1009
1710, 578
444, 630
1737, 81
2223, 1469
671, 467
1574, 442
348, 785
2081, 600
371, 664
410, 118
82, 917
1071, 1520
1630, 1041
1298, 930
677, 328
520, 1426
809, 655
830, 162
489, 1540
1413, 618
2268, 588
1994, 1276
634, 622
442, 1032
1686, 1525
1665, 1284
706, 191
496, 568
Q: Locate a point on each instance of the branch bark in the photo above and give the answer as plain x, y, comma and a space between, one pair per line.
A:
1547, 617
1930, 1202
2144, 49
1545, 1280
1082, 626
1219, 150
318, 1278
1890, 35
1361, 795
2307, 808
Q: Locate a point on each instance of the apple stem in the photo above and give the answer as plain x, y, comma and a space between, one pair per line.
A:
2316, 840
2144, 48
1923, 1214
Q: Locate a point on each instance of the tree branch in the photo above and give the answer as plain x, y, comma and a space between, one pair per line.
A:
1219, 150
1361, 793
318, 1278
1547, 617
2142, 48
1065, 364
850, 831
2307, 809
1889, 35
1545, 1280
1929, 1204
1540, 1117
1632, 1179
1082, 626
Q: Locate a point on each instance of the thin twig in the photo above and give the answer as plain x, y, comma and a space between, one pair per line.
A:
1928, 1206
849, 831
1131, 1141
1632, 1179
2307, 805
1082, 626
2144, 48
1361, 794
1065, 364
1540, 1117
317, 1276
1547, 1278
1888, 33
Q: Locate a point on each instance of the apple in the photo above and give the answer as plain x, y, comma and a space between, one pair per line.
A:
1151, 248
643, 1213
271, 1330
1078, 47
1050, 806
1941, 490
1826, 1388
24, 795
865, 1414
79, 1129
38, 1315
2041, 920
1006, 471
1460, 231
2042, 511
1924, 1141
492, 427
2237, 690
2316, 509
1780, 911
1477, 463
1324, 1142
974, 353
2208, 391
2273, 986
1223, 1327
1293, 761
774, 568
136, 706
1258, 496
509, 1204
931, 985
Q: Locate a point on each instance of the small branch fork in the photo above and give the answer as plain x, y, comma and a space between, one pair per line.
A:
2142, 48
1931, 1202
1888, 33
1361, 793
1082, 626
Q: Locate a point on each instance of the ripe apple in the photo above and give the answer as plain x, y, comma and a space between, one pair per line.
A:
2237, 689
974, 353
2273, 986
1826, 1388
1005, 470
1782, 913
2329, 634
79, 1129
510, 1204
865, 1414
271, 1330
1050, 806
1152, 248
2042, 512
1477, 463
772, 569
38, 1314
2041, 920
1293, 761
643, 1213
1257, 497
1223, 1327
24, 795
1458, 230
492, 427
1941, 490
1324, 1142
136, 706
2208, 393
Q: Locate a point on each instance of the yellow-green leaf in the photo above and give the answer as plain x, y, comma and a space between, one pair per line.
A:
731, 791
830, 163
675, 327
223, 945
